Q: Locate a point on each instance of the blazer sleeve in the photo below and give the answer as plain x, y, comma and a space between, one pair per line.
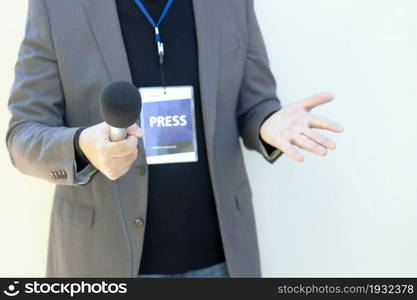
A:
39, 142
257, 98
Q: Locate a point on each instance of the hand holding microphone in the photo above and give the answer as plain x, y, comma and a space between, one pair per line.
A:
111, 146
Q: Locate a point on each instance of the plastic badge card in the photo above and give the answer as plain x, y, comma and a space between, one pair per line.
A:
168, 120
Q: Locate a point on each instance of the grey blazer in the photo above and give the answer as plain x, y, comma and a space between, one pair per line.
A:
74, 49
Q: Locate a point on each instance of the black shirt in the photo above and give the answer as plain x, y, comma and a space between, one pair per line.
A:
182, 231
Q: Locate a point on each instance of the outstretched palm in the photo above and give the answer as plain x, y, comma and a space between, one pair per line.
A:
294, 125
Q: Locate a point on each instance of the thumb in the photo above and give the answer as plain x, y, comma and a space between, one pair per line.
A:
135, 130
316, 100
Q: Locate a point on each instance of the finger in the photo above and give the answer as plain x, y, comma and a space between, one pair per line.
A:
316, 100
305, 143
135, 130
319, 139
132, 141
125, 154
123, 162
120, 166
123, 147
289, 150
324, 123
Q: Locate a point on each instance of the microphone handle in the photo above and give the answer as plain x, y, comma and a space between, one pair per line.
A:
117, 134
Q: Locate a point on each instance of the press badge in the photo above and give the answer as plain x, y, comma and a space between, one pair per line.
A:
168, 120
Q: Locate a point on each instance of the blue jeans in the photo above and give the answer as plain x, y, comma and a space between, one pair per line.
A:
215, 271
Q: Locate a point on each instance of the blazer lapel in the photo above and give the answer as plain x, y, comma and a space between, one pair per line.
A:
207, 19
105, 24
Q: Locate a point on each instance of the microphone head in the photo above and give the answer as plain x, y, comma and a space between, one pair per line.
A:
120, 104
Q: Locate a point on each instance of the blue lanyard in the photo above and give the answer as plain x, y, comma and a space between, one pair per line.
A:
156, 25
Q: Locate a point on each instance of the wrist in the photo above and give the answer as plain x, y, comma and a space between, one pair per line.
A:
263, 130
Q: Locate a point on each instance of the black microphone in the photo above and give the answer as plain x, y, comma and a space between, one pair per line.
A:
120, 107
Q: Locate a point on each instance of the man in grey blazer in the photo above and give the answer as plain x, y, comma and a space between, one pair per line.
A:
71, 51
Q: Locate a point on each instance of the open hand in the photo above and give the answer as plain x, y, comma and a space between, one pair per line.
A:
293, 126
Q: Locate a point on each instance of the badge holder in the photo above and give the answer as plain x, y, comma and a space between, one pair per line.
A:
168, 120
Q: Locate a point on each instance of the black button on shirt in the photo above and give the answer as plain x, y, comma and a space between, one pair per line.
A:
182, 232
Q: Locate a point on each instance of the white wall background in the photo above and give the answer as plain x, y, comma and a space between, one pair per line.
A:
353, 213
